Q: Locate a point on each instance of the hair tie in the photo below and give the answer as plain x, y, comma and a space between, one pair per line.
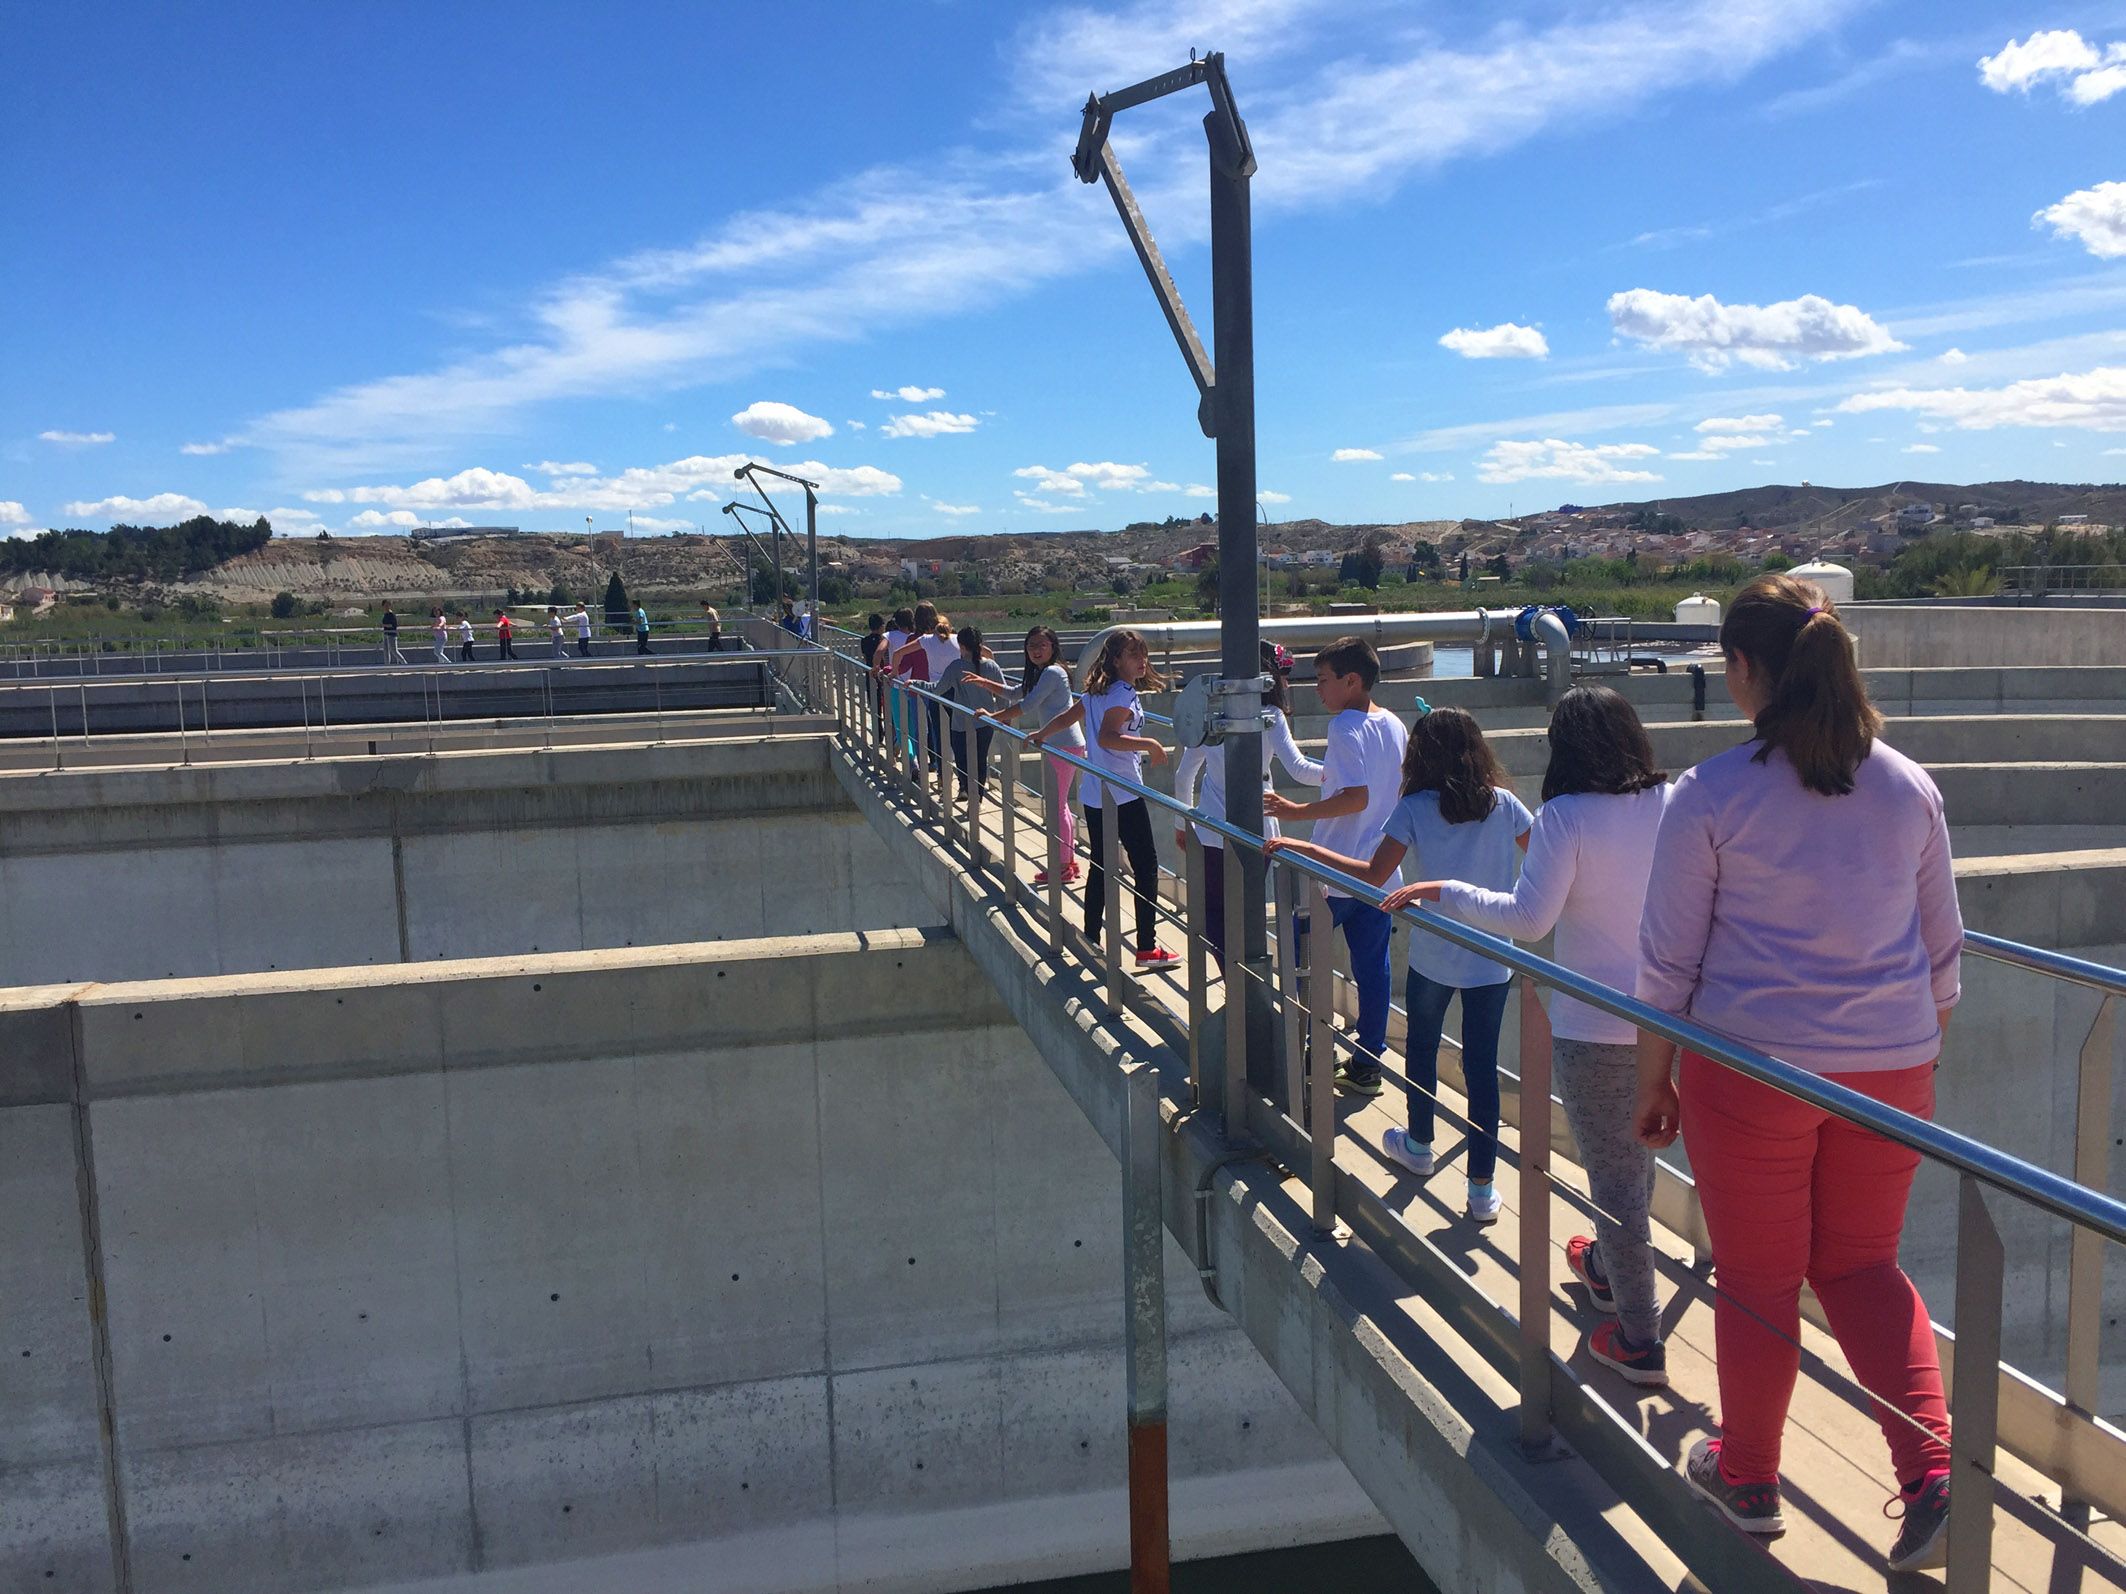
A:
1813, 613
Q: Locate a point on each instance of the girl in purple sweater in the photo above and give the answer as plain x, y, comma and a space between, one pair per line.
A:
1802, 903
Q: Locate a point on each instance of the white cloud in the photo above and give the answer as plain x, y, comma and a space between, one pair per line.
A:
1435, 475
12, 513
77, 439
1346, 456
1740, 423
854, 426
1772, 337
953, 509
908, 395
774, 422
1269, 497
1046, 506
1953, 357
2060, 57
666, 523
120, 507
561, 467
1732, 442
2096, 217
1071, 482
1198, 490
697, 477
221, 447
937, 423
825, 509
2092, 400
379, 519
1506, 341
1921, 448
1553, 459
1698, 453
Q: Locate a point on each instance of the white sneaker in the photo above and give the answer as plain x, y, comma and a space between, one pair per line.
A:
1484, 1202
1418, 1159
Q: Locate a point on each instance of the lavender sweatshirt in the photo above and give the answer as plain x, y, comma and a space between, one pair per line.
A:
1823, 930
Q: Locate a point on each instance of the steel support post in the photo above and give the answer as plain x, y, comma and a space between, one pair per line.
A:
1058, 861
1974, 1401
1239, 976
1292, 996
812, 557
1008, 797
1536, 1433
2085, 1256
1111, 894
1201, 1091
1144, 1328
1321, 1075
1231, 403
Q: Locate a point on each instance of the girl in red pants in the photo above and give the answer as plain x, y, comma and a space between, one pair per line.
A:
1801, 902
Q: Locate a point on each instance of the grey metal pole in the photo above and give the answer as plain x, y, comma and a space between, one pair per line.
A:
1240, 656
812, 553
1144, 1328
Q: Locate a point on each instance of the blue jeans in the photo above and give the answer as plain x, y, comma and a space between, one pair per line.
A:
1366, 931
1483, 1011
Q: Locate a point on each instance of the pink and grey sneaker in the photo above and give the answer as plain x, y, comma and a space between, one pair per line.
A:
1923, 1541
1585, 1264
1644, 1365
1157, 958
1752, 1507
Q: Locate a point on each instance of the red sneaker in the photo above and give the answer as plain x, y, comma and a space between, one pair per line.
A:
1157, 958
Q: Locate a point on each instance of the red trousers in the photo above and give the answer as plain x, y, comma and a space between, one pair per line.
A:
1792, 1193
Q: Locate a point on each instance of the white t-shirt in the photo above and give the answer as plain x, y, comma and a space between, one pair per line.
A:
464, 630
1588, 862
941, 652
1209, 764
895, 640
553, 626
1365, 749
1129, 765
583, 625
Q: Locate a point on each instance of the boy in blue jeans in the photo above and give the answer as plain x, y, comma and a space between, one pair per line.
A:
1361, 781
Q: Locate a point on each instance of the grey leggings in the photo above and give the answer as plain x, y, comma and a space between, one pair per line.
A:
1600, 1085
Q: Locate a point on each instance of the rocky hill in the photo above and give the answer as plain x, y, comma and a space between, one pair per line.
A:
1812, 507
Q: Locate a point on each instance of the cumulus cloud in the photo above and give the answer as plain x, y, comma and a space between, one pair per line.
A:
639, 487
936, 423
2060, 58
2092, 400
1697, 454
1046, 506
1921, 448
1949, 357
953, 509
1552, 459
120, 507
221, 447
564, 467
1740, 423
2095, 217
1071, 482
380, 519
12, 513
1506, 341
774, 422
77, 439
1269, 497
1771, 337
1346, 456
1731, 442
908, 395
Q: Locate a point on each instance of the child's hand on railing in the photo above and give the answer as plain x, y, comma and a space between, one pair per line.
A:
1400, 898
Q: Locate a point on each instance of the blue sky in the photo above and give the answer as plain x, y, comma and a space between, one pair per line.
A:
362, 266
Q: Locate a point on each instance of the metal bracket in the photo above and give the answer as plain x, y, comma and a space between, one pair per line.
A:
1208, 708
1207, 1274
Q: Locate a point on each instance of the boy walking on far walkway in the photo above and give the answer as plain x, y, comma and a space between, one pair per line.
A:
1361, 781
465, 639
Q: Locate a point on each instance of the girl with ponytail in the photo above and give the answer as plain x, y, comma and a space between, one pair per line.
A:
1802, 903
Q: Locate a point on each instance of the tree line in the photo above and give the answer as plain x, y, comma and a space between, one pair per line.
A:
135, 553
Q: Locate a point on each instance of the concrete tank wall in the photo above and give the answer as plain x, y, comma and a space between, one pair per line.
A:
1905, 636
783, 1265
154, 873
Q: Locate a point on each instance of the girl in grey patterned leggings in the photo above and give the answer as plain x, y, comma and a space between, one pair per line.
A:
1585, 875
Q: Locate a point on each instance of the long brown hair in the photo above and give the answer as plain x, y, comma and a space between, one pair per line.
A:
1816, 709
1055, 656
1102, 672
924, 622
1597, 744
1448, 754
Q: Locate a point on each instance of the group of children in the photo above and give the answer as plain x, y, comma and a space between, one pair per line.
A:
1793, 893
445, 626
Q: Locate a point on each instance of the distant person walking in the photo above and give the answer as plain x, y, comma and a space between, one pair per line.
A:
465, 639
439, 634
553, 631
582, 619
789, 621
502, 647
642, 629
715, 627
392, 655
1802, 900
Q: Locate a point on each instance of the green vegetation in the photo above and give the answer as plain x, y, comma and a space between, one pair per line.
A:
134, 553
1964, 564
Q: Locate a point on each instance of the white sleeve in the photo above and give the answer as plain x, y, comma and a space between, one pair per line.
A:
1530, 910
1277, 736
1187, 772
1679, 901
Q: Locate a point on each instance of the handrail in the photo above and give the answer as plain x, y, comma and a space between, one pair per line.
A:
2039, 1186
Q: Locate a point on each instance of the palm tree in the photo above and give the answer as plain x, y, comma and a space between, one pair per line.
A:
1966, 581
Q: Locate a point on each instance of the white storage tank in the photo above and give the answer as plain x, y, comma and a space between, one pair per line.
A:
1836, 580
1698, 609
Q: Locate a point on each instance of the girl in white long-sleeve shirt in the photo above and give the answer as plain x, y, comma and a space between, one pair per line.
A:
1589, 857
1208, 765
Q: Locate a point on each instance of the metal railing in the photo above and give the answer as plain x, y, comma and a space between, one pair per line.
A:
2063, 1438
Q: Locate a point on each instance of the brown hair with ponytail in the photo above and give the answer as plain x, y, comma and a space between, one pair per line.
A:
1816, 711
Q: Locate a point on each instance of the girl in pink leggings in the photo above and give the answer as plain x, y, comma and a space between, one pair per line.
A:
1043, 693
1801, 902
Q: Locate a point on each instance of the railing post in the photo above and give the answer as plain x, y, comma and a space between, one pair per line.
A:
1199, 962
970, 729
2085, 1255
1974, 1402
1239, 969
1052, 788
1321, 1077
1111, 890
1008, 795
1144, 1326
1283, 883
1536, 1434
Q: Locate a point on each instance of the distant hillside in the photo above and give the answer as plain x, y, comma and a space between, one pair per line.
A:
1828, 510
